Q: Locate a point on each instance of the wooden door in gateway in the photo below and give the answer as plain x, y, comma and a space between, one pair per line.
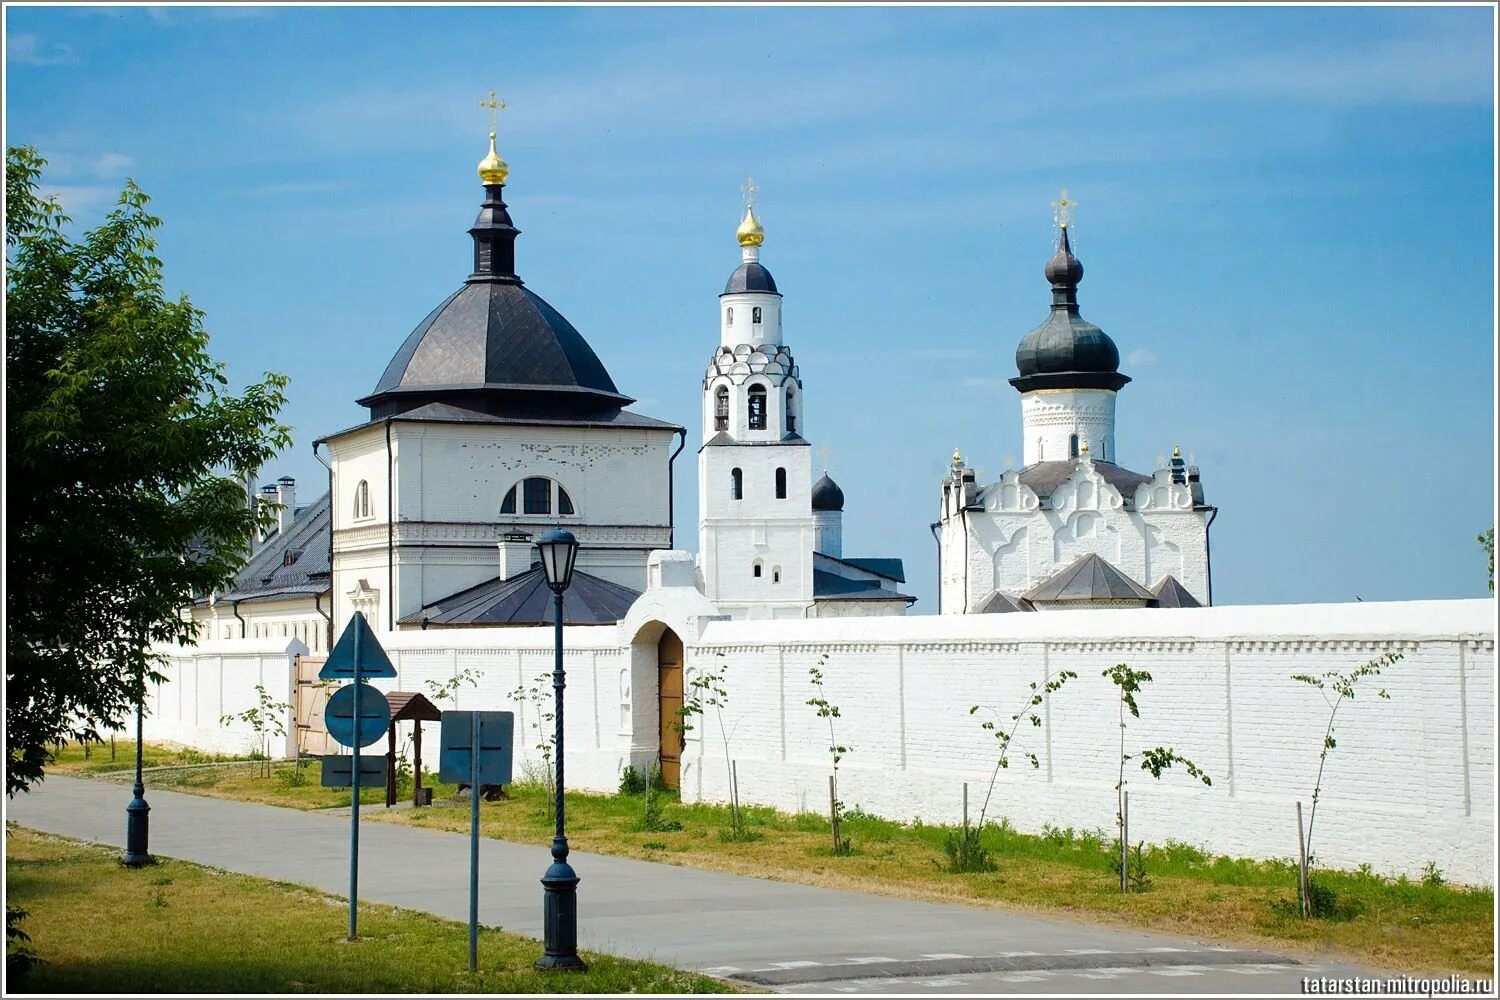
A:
669, 688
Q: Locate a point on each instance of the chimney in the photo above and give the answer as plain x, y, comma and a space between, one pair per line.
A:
267, 496
286, 495
516, 554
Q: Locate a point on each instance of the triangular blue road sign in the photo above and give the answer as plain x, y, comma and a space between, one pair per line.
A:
373, 661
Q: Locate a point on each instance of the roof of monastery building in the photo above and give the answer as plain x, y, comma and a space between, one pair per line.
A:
1089, 578
1170, 593
1067, 350
1043, 478
290, 563
494, 347
524, 599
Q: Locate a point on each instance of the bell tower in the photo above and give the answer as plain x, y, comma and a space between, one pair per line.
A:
756, 527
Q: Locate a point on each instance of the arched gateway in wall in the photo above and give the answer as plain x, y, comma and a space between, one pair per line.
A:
669, 705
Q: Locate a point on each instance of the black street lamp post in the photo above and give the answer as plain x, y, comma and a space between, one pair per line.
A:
138, 813
558, 550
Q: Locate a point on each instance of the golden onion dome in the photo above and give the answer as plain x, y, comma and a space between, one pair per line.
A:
492, 169
750, 233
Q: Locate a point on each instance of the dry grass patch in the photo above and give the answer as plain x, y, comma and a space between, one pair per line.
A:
175, 927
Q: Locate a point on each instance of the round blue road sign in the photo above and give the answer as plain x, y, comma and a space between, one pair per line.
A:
374, 715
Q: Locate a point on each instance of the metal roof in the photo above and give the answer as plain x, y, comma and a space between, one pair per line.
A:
1170, 593
1001, 603
525, 600
832, 587
751, 276
891, 569
826, 495
540, 415
1043, 478
1089, 578
268, 575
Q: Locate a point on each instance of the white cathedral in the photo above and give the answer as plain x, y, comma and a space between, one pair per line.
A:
495, 420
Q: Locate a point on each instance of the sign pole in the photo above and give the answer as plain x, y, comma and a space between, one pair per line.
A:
354, 802
474, 843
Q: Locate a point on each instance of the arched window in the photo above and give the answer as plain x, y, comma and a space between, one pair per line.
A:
736, 484
791, 410
755, 315
1072, 445
757, 409
362, 499
721, 409
780, 484
756, 569
775, 574
536, 496
729, 316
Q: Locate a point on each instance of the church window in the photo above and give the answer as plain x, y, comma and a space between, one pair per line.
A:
757, 407
736, 484
564, 502
362, 499
780, 484
1072, 445
508, 505
775, 574
755, 315
791, 411
536, 495
721, 409
729, 316
756, 569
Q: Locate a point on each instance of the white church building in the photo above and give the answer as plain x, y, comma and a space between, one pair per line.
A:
1071, 528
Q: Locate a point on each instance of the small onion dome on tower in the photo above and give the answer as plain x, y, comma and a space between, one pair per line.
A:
751, 275
826, 495
1067, 351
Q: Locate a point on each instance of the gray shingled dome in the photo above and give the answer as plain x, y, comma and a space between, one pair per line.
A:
751, 276
826, 495
1067, 351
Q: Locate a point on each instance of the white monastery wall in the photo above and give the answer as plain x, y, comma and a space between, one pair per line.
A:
1412, 779
216, 678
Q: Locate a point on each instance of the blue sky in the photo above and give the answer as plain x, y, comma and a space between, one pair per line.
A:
1286, 216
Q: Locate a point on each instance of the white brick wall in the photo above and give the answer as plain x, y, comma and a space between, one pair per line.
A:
1412, 779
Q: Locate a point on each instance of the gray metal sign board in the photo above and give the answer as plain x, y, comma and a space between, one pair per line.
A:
374, 715
357, 637
337, 771
496, 747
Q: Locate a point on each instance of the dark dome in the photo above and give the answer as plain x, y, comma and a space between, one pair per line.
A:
489, 334
751, 276
1067, 351
494, 345
826, 495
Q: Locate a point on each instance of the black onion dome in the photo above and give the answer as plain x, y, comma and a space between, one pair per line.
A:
494, 345
826, 495
751, 276
1067, 351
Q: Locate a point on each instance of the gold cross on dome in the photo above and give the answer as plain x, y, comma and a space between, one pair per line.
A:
1062, 209
749, 189
494, 105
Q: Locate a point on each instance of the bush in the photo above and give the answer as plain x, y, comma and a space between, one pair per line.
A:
965, 852
19, 958
632, 782
1138, 879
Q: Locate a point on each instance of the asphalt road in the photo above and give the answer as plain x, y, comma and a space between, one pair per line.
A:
789, 938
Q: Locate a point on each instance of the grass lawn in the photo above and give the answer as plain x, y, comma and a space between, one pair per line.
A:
97, 759
176, 927
1416, 926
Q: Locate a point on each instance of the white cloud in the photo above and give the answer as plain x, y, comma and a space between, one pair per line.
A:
110, 164
1140, 358
76, 198
32, 51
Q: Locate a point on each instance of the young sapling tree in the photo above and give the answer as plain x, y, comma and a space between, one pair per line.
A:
1154, 760
966, 854
828, 710
1343, 687
539, 697
265, 719
707, 691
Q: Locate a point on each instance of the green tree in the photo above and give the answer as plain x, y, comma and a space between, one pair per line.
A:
125, 459
1487, 541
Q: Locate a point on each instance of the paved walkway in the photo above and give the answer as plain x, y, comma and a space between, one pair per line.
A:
790, 938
